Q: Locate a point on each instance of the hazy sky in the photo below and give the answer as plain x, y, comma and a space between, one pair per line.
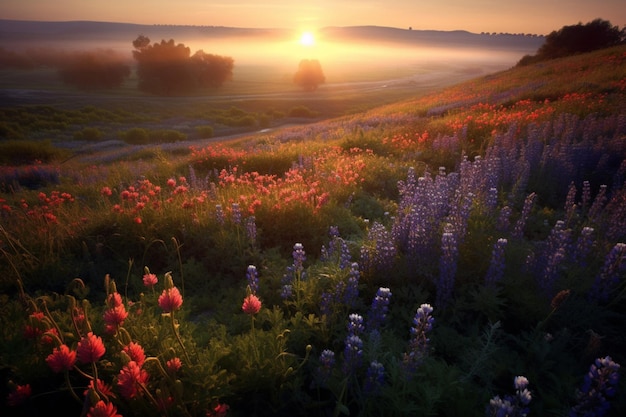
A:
515, 16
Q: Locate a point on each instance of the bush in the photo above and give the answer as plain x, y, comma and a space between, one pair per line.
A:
302, 111
136, 136
18, 152
89, 134
205, 131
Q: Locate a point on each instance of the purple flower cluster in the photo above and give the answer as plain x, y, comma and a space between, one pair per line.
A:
447, 268
496, 266
420, 342
353, 352
512, 405
337, 249
599, 385
324, 370
236, 213
608, 279
351, 290
529, 202
219, 214
252, 276
374, 379
379, 309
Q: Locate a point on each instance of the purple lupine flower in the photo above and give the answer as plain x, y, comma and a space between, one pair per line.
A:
420, 342
491, 200
447, 268
570, 201
503, 223
325, 368
599, 385
355, 324
598, 204
586, 197
251, 229
252, 276
352, 354
496, 266
518, 230
379, 308
351, 290
583, 246
299, 256
286, 291
219, 214
236, 213
511, 406
374, 379
608, 278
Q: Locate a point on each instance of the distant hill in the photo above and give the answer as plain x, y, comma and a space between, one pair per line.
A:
16, 31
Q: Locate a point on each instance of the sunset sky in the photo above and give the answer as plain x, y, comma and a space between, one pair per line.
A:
514, 16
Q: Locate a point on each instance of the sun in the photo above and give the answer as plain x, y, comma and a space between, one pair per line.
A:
307, 39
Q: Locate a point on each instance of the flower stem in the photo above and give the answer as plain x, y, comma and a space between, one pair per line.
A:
180, 342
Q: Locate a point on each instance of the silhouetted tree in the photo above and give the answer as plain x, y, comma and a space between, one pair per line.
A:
167, 68
94, 69
570, 40
212, 70
309, 75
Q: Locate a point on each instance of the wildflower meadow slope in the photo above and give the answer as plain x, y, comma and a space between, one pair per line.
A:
460, 253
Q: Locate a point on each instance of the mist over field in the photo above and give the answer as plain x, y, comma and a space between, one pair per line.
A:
347, 54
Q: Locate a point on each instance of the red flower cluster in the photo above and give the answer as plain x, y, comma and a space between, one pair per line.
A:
251, 305
90, 348
170, 300
61, 359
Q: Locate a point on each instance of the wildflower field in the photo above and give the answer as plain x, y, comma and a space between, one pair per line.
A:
459, 253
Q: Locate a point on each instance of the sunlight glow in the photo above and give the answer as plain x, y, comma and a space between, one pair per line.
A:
307, 39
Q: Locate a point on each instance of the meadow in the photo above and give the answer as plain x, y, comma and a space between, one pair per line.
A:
456, 251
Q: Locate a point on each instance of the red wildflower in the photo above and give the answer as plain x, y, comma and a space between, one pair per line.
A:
135, 352
102, 409
138, 220
61, 359
106, 191
219, 411
47, 339
90, 348
114, 300
251, 304
150, 280
21, 394
129, 378
170, 300
174, 365
114, 317
103, 388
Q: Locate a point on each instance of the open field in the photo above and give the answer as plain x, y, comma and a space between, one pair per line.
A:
431, 243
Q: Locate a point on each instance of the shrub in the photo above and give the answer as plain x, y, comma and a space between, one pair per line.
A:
136, 136
89, 134
205, 131
302, 111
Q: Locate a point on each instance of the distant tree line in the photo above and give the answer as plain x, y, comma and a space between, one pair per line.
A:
575, 39
167, 68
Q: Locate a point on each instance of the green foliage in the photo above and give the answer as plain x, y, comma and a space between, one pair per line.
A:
205, 131
24, 152
576, 39
89, 134
301, 111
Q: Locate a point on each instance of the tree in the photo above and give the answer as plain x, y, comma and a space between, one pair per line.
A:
309, 75
575, 39
167, 68
212, 70
94, 69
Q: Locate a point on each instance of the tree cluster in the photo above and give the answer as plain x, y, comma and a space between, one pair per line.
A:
96, 69
167, 68
575, 39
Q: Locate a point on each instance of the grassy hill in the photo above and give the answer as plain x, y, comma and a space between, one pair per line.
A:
411, 259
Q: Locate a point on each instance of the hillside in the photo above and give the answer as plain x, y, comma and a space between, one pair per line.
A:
473, 237
16, 32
